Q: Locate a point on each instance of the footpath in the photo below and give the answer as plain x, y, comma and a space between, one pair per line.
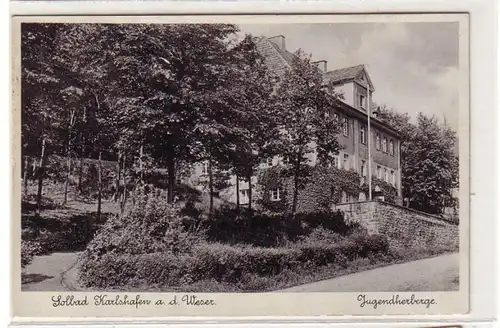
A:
438, 273
53, 272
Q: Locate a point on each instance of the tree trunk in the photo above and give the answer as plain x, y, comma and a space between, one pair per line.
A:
80, 174
171, 179
140, 164
237, 192
68, 173
296, 185
118, 176
249, 179
66, 183
33, 172
99, 188
211, 184
124, 194
80, 164
41, 172
25, 175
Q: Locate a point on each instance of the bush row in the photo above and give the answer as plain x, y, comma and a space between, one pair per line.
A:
229, 225
66, 233
224, 263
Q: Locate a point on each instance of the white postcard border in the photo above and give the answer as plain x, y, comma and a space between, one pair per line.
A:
462, 236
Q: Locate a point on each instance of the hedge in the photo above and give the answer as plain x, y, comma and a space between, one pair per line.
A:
230, 225
225, 263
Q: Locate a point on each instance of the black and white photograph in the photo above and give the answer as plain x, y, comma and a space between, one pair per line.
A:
252, 157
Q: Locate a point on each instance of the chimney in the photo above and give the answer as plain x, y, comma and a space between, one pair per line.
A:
279, 41
322, 65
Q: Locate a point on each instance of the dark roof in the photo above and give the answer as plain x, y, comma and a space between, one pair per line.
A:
344, 74
278, 60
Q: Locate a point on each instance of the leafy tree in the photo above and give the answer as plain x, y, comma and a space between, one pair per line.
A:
167, 78
40, 86
254, 113
306, 120
429, 163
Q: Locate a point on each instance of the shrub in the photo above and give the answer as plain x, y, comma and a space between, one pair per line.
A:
61, 230
233, 226
150, 226
333, 221
29, 249
322, 235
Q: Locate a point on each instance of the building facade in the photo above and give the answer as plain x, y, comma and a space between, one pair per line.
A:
357, 89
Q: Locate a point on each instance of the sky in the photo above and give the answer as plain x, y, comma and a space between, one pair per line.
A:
413, 66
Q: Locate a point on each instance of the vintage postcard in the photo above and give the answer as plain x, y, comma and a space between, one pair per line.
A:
241, 165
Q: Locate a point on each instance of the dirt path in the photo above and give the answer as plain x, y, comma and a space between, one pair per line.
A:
433, 274
46, 272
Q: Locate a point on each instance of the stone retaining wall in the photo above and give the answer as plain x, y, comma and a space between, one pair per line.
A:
403, 226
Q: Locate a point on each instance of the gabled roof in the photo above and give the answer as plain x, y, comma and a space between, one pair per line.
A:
348, 74
287, 55
278, 60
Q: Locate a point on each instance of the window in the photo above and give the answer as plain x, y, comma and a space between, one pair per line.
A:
335, 162
269, 162
344, 197
204, 168
377, 141
393, 178
362, 131
379, 172
363, 168
386, 175
345, 126
391, 147
275, 194
362, 101
346, 162
244, 192
384, 145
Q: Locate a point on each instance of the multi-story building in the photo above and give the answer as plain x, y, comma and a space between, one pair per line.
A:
357, 89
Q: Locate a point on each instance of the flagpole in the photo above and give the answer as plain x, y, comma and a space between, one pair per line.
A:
369, 105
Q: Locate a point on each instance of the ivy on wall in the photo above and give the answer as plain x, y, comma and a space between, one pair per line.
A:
388, 191
323, 189
269, 179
